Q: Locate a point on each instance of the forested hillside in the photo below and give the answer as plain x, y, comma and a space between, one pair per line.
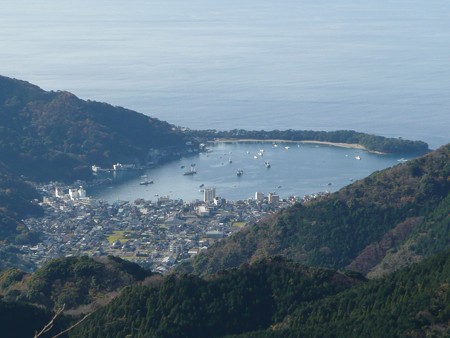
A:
368, 141
413, 302
268, 298
249, 298
404, 208
74, 282
16, 198
55, 135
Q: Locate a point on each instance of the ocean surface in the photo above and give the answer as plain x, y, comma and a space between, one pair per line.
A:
380, 67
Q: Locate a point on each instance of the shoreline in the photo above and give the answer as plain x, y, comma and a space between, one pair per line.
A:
332, 144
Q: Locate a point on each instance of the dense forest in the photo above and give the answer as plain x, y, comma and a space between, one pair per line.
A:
273, 297
72, 282
249, 298
79, 285
404, 208
368, 141
412, 302
55, 135
16, 202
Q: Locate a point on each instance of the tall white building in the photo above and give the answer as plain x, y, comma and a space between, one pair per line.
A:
209, 195
81, 193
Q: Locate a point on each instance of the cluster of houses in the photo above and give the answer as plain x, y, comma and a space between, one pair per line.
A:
155, 234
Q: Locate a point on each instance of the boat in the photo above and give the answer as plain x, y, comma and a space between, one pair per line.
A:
146, 182
287, 147
357, 157
189, 173
230, 161
240, 172
192, 171
255, 157
267, 164
402, 160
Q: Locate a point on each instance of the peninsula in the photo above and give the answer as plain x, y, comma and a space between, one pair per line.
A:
339, 138
332, 144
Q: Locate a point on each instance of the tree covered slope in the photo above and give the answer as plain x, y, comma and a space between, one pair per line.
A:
55, 135
75, 282
249, 298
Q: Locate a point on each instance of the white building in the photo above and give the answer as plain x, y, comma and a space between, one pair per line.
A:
81, 192
209, 195
259, 196
73, 194
203, 211
274, 198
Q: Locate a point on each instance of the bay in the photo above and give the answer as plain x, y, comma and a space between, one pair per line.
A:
295, 170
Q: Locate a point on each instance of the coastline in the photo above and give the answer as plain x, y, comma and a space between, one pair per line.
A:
332, 144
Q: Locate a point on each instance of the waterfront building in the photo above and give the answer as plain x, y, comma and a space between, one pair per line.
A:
274, 198
209, 195
259, 196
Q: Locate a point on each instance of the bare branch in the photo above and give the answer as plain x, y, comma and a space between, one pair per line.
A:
74, 325
49, 325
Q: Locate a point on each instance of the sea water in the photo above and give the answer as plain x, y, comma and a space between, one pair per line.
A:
295, 170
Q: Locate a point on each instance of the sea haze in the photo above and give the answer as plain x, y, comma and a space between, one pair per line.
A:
374, 66
294, 171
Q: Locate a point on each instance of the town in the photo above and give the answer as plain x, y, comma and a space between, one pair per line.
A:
155, 234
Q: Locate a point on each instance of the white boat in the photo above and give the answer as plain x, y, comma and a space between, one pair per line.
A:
287, 147
357, 157
146, 182
240, 172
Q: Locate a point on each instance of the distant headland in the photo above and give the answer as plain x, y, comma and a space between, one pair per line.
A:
339, 138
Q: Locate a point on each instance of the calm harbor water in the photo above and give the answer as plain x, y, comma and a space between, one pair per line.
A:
294, 171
